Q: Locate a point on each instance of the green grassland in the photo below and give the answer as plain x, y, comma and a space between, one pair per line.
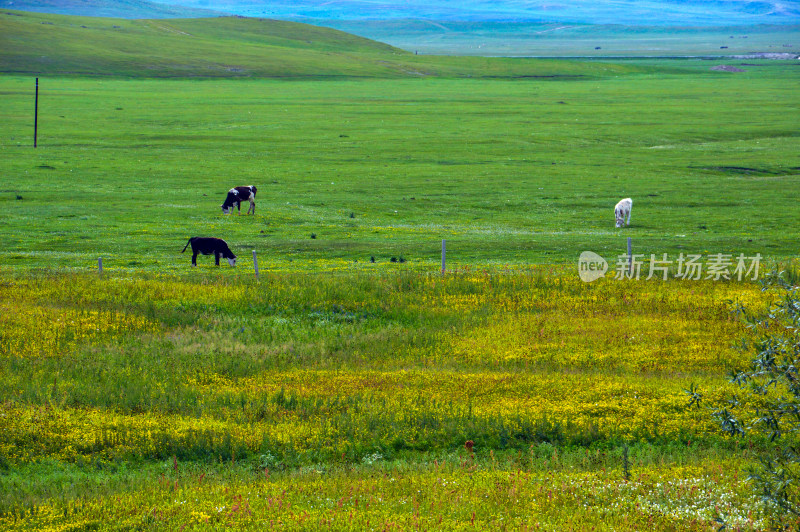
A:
519, 163
520, 39
336, 392
518, 172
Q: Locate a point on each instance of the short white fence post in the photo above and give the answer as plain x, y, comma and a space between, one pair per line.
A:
444, 252
630, 257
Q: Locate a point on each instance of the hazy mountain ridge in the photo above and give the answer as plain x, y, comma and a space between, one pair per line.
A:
636, 12
130, 9
627, 12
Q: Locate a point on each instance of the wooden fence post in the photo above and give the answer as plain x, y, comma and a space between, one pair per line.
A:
100, 264
255, 263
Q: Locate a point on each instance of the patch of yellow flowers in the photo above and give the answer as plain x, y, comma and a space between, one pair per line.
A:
609, 359
38, 319
490, 355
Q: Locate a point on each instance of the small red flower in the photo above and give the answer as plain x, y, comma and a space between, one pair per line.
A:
469, 444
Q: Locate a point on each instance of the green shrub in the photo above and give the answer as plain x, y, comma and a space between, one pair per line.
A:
771, 410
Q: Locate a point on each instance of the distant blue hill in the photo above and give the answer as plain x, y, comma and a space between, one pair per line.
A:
680, 13
625, 12
109, 8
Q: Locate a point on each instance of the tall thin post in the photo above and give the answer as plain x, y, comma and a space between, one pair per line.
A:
255, 263
630, 257
100, 264
36, 114
444, 252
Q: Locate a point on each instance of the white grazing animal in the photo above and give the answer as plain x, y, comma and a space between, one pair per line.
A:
623, 209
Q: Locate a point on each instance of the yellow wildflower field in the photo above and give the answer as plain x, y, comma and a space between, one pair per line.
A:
345, 401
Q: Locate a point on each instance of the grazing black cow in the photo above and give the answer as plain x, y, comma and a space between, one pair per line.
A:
210, 246
237, 195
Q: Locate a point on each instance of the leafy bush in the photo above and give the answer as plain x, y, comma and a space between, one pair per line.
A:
771, 410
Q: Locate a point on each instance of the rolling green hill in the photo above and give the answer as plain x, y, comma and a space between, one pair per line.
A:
43, 44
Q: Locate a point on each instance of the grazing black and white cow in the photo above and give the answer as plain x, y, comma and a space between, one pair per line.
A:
210, 246
237, 195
